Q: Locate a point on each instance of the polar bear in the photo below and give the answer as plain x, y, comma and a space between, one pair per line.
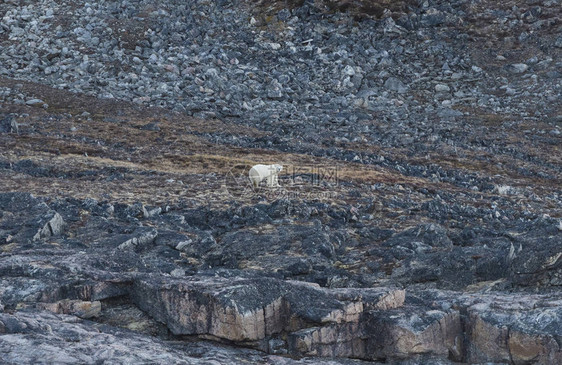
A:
269, 172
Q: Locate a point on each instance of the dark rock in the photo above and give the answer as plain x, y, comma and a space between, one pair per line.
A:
394, 84
284, 14
431, 235
142, 237
32, 337
409, 331
136, 210
39, 221
497, 333
518, 68
8, 124
153, 126
538, 263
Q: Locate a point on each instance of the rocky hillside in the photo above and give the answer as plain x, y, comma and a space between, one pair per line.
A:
419, 218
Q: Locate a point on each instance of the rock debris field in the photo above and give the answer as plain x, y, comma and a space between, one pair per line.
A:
419, 218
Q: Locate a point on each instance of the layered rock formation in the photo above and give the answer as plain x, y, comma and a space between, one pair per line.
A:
58, 274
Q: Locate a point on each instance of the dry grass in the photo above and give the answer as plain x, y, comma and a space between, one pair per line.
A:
116, 160
358, 8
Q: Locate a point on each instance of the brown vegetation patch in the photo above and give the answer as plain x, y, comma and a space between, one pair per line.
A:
358, 8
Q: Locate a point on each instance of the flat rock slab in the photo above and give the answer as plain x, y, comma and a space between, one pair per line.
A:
40, 337
252, 309
521, 330
503, 328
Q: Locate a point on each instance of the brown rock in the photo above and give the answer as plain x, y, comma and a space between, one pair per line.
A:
79, 308
254, 311
520, 330
409, 331
336, 340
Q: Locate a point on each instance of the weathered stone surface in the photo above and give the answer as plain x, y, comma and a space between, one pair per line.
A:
344, 340
522, 330
41, 337
239, 312
53, 227
538, 263
78, 308
277, 315
47, 338
142, 238
518, 68
499, 328
274, 314
39, 221
402, 333
8, 124
34, 102
394, 84
371, 298
14, 290
252, 309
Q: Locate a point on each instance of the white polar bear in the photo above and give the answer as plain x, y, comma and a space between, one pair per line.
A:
269, 172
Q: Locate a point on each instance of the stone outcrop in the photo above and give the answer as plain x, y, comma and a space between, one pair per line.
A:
137, 266
47, 338
514, 330
79, 308
409, 331
257, 310
28, 221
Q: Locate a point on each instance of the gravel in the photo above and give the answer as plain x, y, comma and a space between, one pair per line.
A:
204, 56
416, 74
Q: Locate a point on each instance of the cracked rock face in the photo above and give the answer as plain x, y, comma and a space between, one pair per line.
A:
519, 337
105, 280
43, 337
253, 309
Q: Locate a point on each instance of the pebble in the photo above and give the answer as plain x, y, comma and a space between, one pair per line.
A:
518, 68
394, 84
34, 102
